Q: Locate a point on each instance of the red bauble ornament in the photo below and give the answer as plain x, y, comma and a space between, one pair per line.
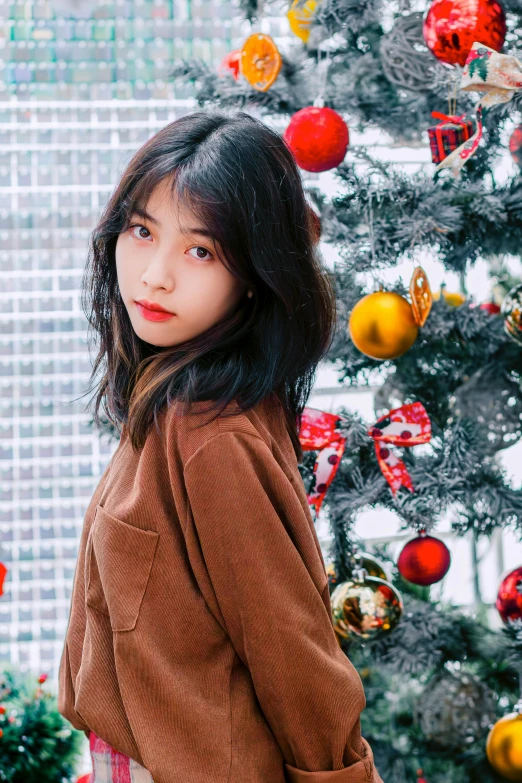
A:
231, 63
424, 560
509, 597
84, 778
452, 26
318, 138
515, 145
490, 307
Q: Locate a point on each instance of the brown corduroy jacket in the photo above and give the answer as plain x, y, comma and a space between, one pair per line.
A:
200, 639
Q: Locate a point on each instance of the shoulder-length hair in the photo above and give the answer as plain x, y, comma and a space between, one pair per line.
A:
240, 178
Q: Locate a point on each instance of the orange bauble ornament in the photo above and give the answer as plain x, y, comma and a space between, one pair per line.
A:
382, 325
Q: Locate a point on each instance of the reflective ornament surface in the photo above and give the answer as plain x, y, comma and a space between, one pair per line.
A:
366, 609
511, 309
509, 596
370, 563
424, 560
452, 26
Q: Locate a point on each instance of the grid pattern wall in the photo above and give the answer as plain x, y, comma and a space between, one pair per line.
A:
82, 86
73, 49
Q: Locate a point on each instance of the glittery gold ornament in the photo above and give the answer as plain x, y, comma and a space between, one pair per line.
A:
504, 745
454, 710
365, 608
382, 325
512, 311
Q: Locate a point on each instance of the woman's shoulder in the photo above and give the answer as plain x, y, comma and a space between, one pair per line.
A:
188, 430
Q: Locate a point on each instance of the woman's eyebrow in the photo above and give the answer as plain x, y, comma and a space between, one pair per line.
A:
144, 214
202, 231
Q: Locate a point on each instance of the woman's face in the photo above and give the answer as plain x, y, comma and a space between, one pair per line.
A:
180, 272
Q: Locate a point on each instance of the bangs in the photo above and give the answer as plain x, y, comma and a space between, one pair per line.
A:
196, 192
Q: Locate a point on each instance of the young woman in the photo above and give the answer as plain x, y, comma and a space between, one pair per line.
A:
200, 646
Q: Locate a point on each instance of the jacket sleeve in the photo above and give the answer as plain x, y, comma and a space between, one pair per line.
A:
255, 541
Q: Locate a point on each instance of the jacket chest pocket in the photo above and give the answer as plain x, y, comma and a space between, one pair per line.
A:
118, 562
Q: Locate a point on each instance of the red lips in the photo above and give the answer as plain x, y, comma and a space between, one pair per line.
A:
153, 306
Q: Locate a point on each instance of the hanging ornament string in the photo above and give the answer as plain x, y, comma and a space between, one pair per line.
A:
452, 94
370, 223
322, 72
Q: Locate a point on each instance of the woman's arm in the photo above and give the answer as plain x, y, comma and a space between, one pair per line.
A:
258, 548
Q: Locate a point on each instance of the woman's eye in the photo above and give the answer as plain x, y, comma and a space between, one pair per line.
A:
201, 256
142, 228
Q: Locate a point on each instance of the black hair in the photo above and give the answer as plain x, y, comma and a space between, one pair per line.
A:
241, 180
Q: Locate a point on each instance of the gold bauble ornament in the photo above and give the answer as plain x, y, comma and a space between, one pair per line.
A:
365, 608
504, 746
382, 325
370, 563
453, 298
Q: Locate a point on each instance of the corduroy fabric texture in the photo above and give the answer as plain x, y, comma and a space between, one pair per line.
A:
111, 766
200, 640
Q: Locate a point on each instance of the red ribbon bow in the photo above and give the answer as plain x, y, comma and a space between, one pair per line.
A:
408, 425
318, 432
453, 118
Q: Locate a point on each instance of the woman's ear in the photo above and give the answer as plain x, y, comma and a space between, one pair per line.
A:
250, 293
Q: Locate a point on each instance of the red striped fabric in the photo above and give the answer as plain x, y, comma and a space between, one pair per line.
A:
112, 766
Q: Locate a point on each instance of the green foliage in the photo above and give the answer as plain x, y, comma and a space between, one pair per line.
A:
38, 745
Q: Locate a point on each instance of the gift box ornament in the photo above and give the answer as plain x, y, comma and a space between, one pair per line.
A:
448, 135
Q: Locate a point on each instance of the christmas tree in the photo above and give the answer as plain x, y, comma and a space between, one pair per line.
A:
37, 745
442, 687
